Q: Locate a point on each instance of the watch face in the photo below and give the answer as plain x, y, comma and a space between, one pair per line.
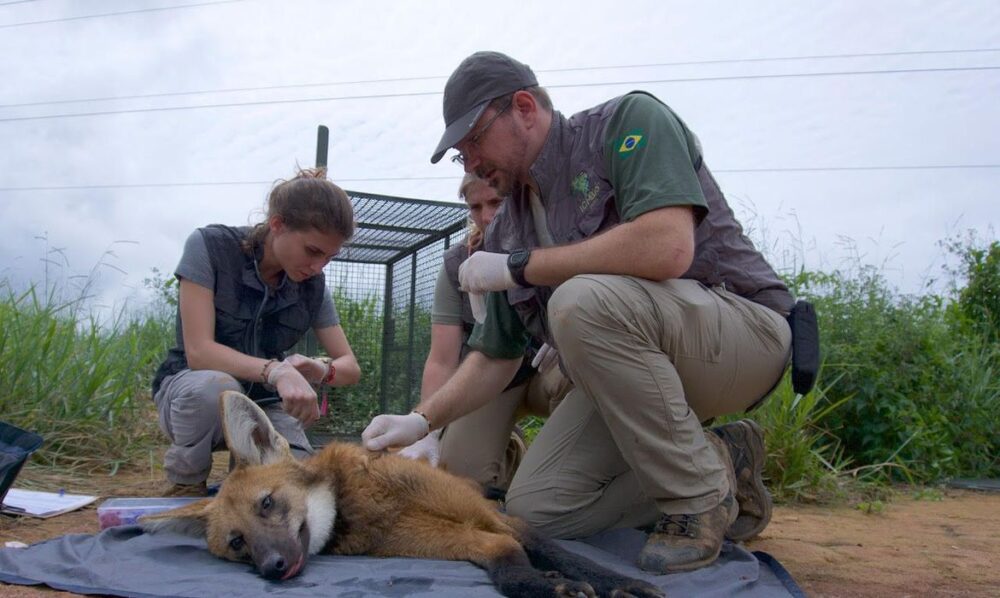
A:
519, 258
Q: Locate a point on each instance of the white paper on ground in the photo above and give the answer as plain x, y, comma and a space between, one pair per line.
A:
43, 504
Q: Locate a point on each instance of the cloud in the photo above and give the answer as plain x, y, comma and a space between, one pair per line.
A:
769, 123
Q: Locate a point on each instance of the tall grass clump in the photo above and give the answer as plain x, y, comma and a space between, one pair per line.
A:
803, 459
82, 385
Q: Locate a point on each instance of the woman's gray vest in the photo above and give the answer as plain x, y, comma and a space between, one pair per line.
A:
250, 317
454, 256
579, 202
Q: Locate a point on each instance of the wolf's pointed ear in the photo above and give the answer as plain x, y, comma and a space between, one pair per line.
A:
190, 520
251, 438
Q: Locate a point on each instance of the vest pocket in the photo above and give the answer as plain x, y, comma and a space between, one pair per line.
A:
286, 328
232, 328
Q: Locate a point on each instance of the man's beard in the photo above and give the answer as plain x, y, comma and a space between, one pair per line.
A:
501, 182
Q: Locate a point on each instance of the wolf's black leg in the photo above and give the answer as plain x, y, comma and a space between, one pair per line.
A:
515, 576
546, 554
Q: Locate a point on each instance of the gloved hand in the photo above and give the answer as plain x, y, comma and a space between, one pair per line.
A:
477, 301
386, 431
485, 271
427, 448
311, 369
546, 357
298, 398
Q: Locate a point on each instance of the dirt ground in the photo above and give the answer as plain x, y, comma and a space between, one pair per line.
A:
947, 545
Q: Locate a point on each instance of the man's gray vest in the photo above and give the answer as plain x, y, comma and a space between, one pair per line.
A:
579, 202
250, 317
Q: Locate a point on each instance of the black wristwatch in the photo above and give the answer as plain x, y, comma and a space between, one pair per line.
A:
516, 263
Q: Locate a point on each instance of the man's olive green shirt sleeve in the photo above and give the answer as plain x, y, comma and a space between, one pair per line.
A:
501, 335
651, 158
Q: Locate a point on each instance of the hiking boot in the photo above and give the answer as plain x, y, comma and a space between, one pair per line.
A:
171, 489
745, 441
687, 542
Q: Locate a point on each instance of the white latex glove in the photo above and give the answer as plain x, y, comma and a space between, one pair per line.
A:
427, 448
298, 398
485, 271
394, 431
546, 357
477, 301
311, 369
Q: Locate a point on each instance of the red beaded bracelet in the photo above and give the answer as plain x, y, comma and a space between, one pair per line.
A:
331, 373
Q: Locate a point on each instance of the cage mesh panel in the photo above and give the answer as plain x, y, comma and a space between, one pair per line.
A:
391, 262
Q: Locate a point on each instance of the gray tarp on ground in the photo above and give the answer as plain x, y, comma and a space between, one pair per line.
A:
123, 561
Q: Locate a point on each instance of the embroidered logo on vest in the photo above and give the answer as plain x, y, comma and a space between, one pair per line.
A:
583, 190
632, 141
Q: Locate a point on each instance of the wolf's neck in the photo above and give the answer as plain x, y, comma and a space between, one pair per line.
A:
321, 512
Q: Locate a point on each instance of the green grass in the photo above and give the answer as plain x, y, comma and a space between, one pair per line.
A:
83, 386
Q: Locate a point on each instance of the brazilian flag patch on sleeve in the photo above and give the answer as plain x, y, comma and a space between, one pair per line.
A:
630, 142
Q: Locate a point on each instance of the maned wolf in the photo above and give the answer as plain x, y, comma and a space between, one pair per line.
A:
273, 511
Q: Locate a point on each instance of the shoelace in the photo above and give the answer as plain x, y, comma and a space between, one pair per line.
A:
677, 525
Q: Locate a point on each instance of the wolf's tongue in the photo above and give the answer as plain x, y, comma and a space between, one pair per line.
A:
295, 569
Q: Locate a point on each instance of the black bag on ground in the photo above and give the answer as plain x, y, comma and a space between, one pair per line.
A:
15, 447
805, 346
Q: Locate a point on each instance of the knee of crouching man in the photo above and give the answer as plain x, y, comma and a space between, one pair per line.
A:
576, 305
539, 510
526, 510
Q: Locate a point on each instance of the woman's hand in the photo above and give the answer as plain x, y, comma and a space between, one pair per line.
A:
311, 369
298, 398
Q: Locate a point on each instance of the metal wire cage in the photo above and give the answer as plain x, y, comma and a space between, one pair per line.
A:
383, 287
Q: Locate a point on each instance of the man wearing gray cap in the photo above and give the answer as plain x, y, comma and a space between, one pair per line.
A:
617, 247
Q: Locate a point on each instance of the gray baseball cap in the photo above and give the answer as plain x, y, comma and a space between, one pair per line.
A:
480, 78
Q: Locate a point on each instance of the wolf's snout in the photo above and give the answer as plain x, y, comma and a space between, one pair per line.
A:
274, 566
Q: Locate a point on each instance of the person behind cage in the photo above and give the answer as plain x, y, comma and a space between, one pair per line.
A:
483, 445
617, 247
247, 296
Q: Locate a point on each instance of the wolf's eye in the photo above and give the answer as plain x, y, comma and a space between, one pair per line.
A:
237, 543
266, 502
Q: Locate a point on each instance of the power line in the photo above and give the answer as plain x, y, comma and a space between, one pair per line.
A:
226, 105
449, 178
565, 85
557, 70
15, 2
861, 168
115, 14
213, 184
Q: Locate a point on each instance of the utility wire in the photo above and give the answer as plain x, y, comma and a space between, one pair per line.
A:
565, 85
115, 14
15, 2
448, 178
436, 77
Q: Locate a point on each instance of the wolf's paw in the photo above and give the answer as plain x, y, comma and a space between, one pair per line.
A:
619, 586
635, 588
567, 588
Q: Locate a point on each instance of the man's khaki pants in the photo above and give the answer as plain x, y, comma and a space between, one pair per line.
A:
477, 445
650, 361
188, 404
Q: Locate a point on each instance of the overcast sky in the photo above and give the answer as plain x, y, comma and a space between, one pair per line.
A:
837, 129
